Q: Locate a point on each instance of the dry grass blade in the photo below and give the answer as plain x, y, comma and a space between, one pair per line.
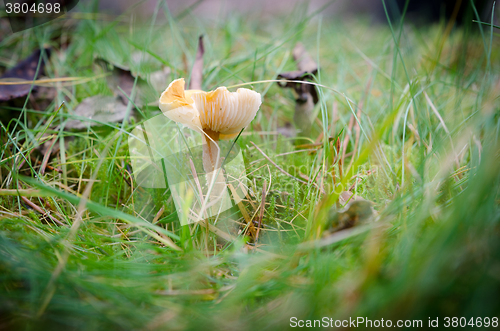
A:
224, 235
158, 214
443, 124
434, 109
196, 292
48, 81
46, 157
22, 192
244, 212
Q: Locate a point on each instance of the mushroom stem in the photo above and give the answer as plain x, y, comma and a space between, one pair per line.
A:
211, 164
210, 150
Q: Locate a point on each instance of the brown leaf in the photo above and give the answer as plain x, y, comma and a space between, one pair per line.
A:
307, 68
197, 72
99, 109
304, 61
24, 70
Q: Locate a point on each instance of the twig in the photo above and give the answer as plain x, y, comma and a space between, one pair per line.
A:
48, 167
41, 211
309, 145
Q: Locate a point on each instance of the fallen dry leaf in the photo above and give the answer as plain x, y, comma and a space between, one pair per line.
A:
24, 70
99, 109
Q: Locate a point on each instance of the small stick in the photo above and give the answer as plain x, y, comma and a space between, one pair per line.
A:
41, 211
309, 145
277, 166
49, 167
262, 205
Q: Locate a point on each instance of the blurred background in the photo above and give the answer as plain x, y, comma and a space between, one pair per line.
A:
419, 11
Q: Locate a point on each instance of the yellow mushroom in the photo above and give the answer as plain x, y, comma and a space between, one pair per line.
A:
217, 114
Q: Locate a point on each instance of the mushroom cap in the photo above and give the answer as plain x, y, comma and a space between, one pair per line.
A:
178, 106
220, 110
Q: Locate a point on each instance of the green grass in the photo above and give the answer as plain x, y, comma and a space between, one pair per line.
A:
427, 157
